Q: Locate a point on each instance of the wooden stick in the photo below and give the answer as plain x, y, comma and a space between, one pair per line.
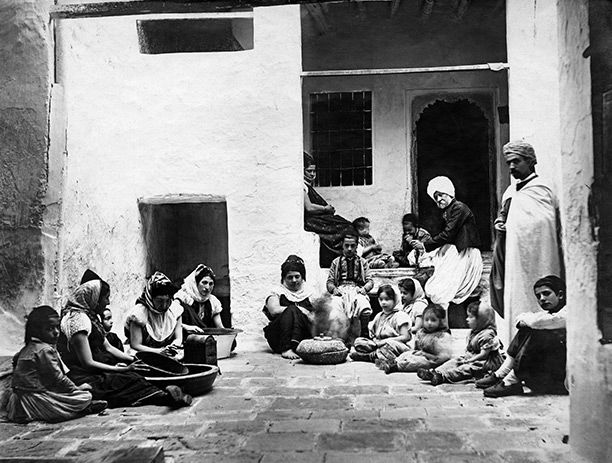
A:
366, 72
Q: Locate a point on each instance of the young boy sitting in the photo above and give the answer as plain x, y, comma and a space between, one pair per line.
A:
411, 232
369, 249
107, 323
349, 282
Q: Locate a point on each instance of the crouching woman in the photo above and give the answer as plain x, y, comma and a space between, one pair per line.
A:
289, 309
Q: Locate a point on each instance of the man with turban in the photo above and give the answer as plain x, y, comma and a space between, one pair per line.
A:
528, 235
455, 254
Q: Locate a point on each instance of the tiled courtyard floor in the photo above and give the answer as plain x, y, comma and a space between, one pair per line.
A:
267, 409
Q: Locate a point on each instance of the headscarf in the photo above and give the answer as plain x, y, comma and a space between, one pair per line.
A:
293, 263
442, 185
520, 148
37, 319
90, 275
189, 292
85, 299
158, 284
160, 325
308, 160
397, 299
419, 294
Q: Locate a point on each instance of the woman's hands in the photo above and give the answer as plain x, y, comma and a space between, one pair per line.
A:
84, 387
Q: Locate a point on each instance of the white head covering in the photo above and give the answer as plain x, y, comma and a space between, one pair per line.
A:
441, 184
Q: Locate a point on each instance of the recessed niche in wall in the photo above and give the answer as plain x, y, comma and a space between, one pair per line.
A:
181, 232
194, 35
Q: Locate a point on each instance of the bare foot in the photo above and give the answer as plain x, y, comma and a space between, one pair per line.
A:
289, 354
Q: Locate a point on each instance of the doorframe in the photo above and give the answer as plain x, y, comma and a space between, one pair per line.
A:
488, 100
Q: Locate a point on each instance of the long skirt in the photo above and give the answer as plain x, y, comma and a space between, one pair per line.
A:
330, 229
125, 389
540, 359
53, 407
288, 329
456, 275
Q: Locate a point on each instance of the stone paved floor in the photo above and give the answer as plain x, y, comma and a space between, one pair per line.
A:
267, 409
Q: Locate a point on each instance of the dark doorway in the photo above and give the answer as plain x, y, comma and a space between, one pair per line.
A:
182, 233
452, 139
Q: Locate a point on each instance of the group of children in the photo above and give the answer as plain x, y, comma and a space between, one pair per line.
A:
406, 256
536, 354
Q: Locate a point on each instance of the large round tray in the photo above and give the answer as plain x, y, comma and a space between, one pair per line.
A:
198, 381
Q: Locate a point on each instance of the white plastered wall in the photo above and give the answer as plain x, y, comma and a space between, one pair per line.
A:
226, 124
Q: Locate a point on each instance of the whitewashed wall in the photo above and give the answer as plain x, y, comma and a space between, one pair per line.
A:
227, 124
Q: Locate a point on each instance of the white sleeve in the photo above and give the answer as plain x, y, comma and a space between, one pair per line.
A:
543, 320
215, 305
75, 322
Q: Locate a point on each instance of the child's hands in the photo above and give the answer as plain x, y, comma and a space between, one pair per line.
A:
85, 387
337, 292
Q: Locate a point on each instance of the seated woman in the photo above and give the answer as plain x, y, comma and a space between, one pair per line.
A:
537, 353
91, 359
195, 299
320, 217
456, 258
289, 309
153, 325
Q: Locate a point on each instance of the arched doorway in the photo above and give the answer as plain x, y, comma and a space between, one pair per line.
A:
453, 139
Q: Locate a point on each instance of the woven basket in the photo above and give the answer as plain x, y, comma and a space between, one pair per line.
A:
322, 351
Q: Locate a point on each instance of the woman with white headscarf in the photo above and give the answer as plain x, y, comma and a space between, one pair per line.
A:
456, 257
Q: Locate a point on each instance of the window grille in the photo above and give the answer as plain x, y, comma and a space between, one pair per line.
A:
341, 137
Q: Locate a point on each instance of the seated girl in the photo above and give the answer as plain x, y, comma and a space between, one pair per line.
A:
200, 308
411, 232
482, 353
40, 389
413, 302
153, 325
390, 328
537, 353
369, 249
432, 346
289, 309
91, 359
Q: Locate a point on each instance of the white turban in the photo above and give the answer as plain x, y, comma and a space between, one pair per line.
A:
442, 185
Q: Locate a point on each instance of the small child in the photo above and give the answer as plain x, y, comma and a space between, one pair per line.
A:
414, 302
391, 327
432, 346
349, 282
411, 232
40, 389
107, 323
537, 353
369, 249
482, 353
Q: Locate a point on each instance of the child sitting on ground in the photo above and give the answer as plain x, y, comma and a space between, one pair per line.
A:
432, 346
369, 249
414, 302
107, 323
40, 389
482, 354
349, 282
390, 326
411, 232
537, 353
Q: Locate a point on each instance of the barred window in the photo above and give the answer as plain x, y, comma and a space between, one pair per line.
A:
341, 137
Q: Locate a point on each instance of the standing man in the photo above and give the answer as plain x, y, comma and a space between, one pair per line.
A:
529, 224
